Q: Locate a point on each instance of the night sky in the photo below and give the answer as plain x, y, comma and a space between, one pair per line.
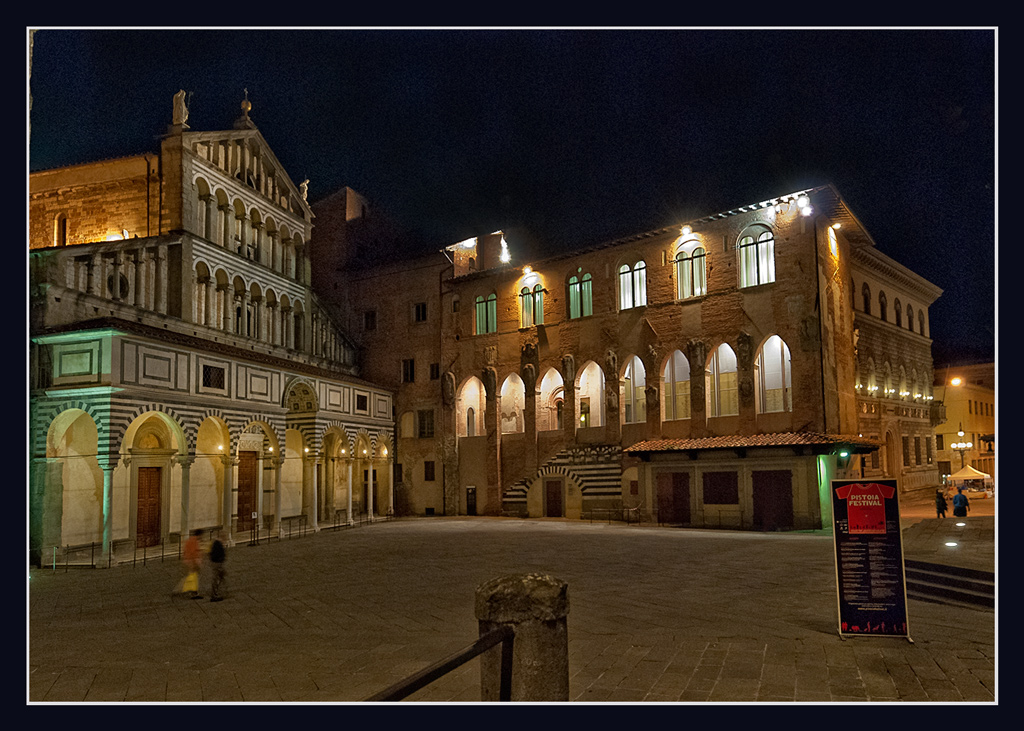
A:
566, 138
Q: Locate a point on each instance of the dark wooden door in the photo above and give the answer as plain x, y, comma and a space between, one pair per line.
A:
773, 499
553, 498
470, 501
673, 497
248, 480
147, 526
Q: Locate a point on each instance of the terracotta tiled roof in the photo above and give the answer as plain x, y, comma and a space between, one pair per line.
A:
779, 439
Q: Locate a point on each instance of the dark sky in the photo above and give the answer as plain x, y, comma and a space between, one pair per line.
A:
564, 138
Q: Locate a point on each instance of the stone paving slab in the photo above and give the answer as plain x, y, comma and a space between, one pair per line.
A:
655, 615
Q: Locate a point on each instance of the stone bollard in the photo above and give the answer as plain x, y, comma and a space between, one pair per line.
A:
535, 606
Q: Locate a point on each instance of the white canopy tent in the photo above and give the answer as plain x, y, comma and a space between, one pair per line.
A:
969, 473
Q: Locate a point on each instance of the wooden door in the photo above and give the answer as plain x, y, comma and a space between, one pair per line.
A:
773, 499
248, 481
470, 501
553, 498
674, 497
147, 526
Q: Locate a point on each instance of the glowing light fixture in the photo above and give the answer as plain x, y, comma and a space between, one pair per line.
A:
686, 231
956, 381
951, 544
961, 525
837, 226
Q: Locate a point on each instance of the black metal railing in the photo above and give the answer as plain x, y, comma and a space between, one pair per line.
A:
503, 635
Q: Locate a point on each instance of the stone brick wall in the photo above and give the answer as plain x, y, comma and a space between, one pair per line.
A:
99, 201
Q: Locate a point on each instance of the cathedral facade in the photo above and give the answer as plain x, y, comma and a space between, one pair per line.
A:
184, 375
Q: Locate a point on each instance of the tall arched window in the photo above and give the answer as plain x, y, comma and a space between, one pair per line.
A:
691, 277
866, 292
590, 396
898, 308
526, 307
634, 401
910, 318
721, 383
675, 385
60, 230
774, 377
883, 306
513, 402
757, 258
632, 286
920, 321
581, 299
538, 304
486, 314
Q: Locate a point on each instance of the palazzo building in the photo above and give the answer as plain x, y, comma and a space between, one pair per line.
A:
184, 374
718, 372
968, 394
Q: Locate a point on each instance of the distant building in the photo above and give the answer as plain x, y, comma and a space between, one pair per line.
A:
714, 373
184, 373
968, 394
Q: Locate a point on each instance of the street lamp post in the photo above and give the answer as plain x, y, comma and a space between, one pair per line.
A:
961, 446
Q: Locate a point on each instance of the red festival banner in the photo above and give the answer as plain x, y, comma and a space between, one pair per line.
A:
870, 574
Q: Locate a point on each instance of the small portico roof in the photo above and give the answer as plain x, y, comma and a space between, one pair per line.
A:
737, 441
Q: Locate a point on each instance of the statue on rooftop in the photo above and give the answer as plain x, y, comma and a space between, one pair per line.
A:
180, 110
304, 188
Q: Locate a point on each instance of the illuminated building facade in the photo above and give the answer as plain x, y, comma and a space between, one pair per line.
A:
704, 374
183, 372
968, 393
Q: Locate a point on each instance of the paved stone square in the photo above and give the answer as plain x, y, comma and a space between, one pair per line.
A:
656, 615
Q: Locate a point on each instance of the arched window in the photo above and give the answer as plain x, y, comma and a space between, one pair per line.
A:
581, 300
691, 277
883, 309
757, 258
675, 385
590, 396
634, 401
721, 383
549, 401
470, 404
774, 377
531, 305
910, 318
632, 286
898, 308
866, 292
920, 321
60, 230
513, 400
486, 314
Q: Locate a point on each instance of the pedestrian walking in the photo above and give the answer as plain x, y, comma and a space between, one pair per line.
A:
961, 505
191, 559
218, 555
940, 504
